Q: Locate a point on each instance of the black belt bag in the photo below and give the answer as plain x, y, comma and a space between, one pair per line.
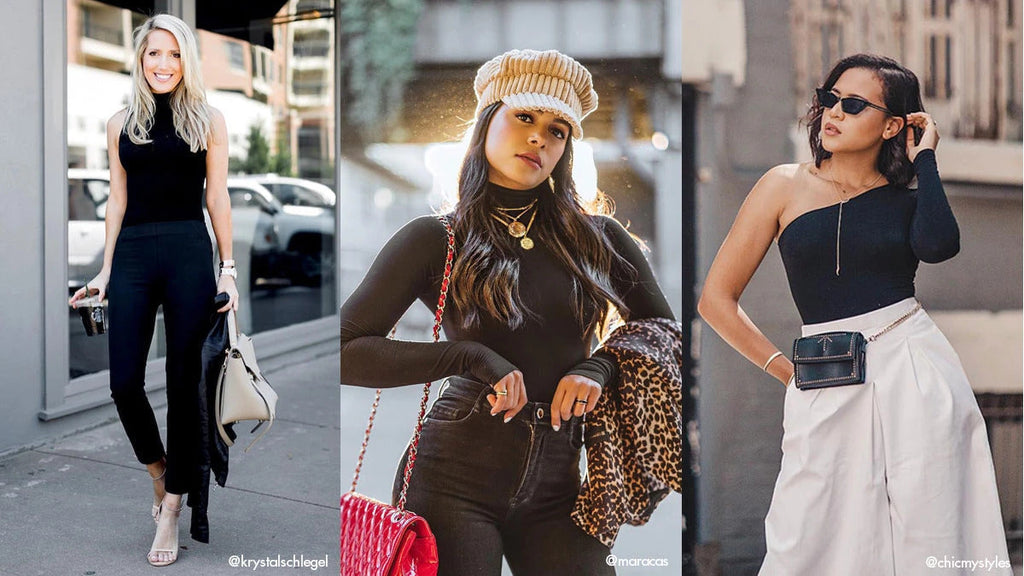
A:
834, 358
829, 359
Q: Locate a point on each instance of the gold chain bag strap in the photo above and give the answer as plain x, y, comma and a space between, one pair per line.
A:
378, 539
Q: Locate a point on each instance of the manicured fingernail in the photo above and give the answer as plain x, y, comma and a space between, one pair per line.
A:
556, 427
507, 418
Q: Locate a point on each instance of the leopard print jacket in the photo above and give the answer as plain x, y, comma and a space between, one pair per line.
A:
634, 436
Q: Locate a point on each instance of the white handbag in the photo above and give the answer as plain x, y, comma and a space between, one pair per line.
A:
242, 391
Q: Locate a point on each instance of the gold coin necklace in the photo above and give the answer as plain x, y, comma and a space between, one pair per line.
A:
843, 200
515, 228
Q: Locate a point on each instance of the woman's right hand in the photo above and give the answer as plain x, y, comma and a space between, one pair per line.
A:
514, 399
99, 283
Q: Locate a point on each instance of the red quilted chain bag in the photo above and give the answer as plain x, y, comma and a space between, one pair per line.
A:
378, 539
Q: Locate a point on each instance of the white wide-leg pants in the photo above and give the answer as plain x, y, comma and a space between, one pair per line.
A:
892, 477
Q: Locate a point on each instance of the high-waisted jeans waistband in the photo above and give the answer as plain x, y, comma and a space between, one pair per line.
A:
533, 412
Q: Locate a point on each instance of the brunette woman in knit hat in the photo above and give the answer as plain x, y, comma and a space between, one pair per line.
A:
497, 469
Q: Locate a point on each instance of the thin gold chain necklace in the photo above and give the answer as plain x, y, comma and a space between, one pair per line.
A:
516, 229
842, 200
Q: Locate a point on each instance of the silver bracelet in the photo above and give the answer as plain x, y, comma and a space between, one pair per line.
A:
770, 358
229, 272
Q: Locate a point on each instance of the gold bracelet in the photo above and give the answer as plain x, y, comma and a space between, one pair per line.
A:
770, 358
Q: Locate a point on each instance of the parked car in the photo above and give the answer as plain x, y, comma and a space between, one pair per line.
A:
87, 206
254, 224
297, 191
253, 212
305, 232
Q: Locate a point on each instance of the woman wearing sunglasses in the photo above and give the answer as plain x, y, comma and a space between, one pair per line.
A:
891, 475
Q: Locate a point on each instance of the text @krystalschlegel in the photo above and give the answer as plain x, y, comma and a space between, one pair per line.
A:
294, 561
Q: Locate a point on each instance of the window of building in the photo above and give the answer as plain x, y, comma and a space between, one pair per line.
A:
938, 77
286, 257
309, 82
101, 24
236, 56
307, 5
312, 44
940, 9
310, 146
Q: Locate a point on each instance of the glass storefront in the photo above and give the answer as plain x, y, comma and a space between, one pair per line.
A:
276, 94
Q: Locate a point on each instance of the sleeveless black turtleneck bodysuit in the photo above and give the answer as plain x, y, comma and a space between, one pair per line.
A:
545, 349
164, 178
885, 232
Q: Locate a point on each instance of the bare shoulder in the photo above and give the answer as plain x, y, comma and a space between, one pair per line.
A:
217, 121
780, 178
116, 122
218, 126
772, 192
215, 114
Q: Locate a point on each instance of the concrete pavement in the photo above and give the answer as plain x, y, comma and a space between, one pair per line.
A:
80, 505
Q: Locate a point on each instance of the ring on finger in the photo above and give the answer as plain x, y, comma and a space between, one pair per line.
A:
501, 392
581, 401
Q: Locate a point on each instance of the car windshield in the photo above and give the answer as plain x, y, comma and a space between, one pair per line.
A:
292, 195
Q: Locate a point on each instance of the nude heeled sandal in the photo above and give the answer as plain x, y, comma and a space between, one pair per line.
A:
174, 546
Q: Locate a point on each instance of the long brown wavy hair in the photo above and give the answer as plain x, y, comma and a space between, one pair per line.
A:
485, 277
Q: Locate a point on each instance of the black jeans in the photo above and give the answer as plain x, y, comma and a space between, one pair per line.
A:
489, 489
167, 263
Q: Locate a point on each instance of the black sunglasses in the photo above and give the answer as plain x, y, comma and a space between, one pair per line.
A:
851, 104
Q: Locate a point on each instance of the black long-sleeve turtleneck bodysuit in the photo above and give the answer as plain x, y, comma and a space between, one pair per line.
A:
164, 178
885, 232
545, 349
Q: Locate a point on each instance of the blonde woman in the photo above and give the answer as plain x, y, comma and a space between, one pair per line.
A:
157, 252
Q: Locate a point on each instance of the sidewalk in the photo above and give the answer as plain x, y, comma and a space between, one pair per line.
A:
80, 506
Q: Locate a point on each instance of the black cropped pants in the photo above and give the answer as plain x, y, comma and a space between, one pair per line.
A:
489, 489
168, 263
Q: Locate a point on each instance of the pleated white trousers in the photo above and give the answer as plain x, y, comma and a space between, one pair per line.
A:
892, 477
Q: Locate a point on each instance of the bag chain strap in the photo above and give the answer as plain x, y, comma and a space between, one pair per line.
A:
898, 321
438, 315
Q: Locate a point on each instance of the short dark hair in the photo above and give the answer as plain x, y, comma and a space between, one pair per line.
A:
901, 93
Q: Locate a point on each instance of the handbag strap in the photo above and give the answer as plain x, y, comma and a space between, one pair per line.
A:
232, 330
414, 445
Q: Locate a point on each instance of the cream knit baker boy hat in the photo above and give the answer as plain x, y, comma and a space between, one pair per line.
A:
535, 80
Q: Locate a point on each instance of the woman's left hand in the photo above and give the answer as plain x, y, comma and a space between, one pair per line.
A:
570, 395
930, 137
227, 284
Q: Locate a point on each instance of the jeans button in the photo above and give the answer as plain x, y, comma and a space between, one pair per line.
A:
540, 413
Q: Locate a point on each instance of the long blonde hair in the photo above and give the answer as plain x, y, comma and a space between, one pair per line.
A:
188, 100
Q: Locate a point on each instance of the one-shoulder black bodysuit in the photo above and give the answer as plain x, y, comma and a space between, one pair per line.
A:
885, 232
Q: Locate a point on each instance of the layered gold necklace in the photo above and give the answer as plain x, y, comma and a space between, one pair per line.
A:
509, 217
